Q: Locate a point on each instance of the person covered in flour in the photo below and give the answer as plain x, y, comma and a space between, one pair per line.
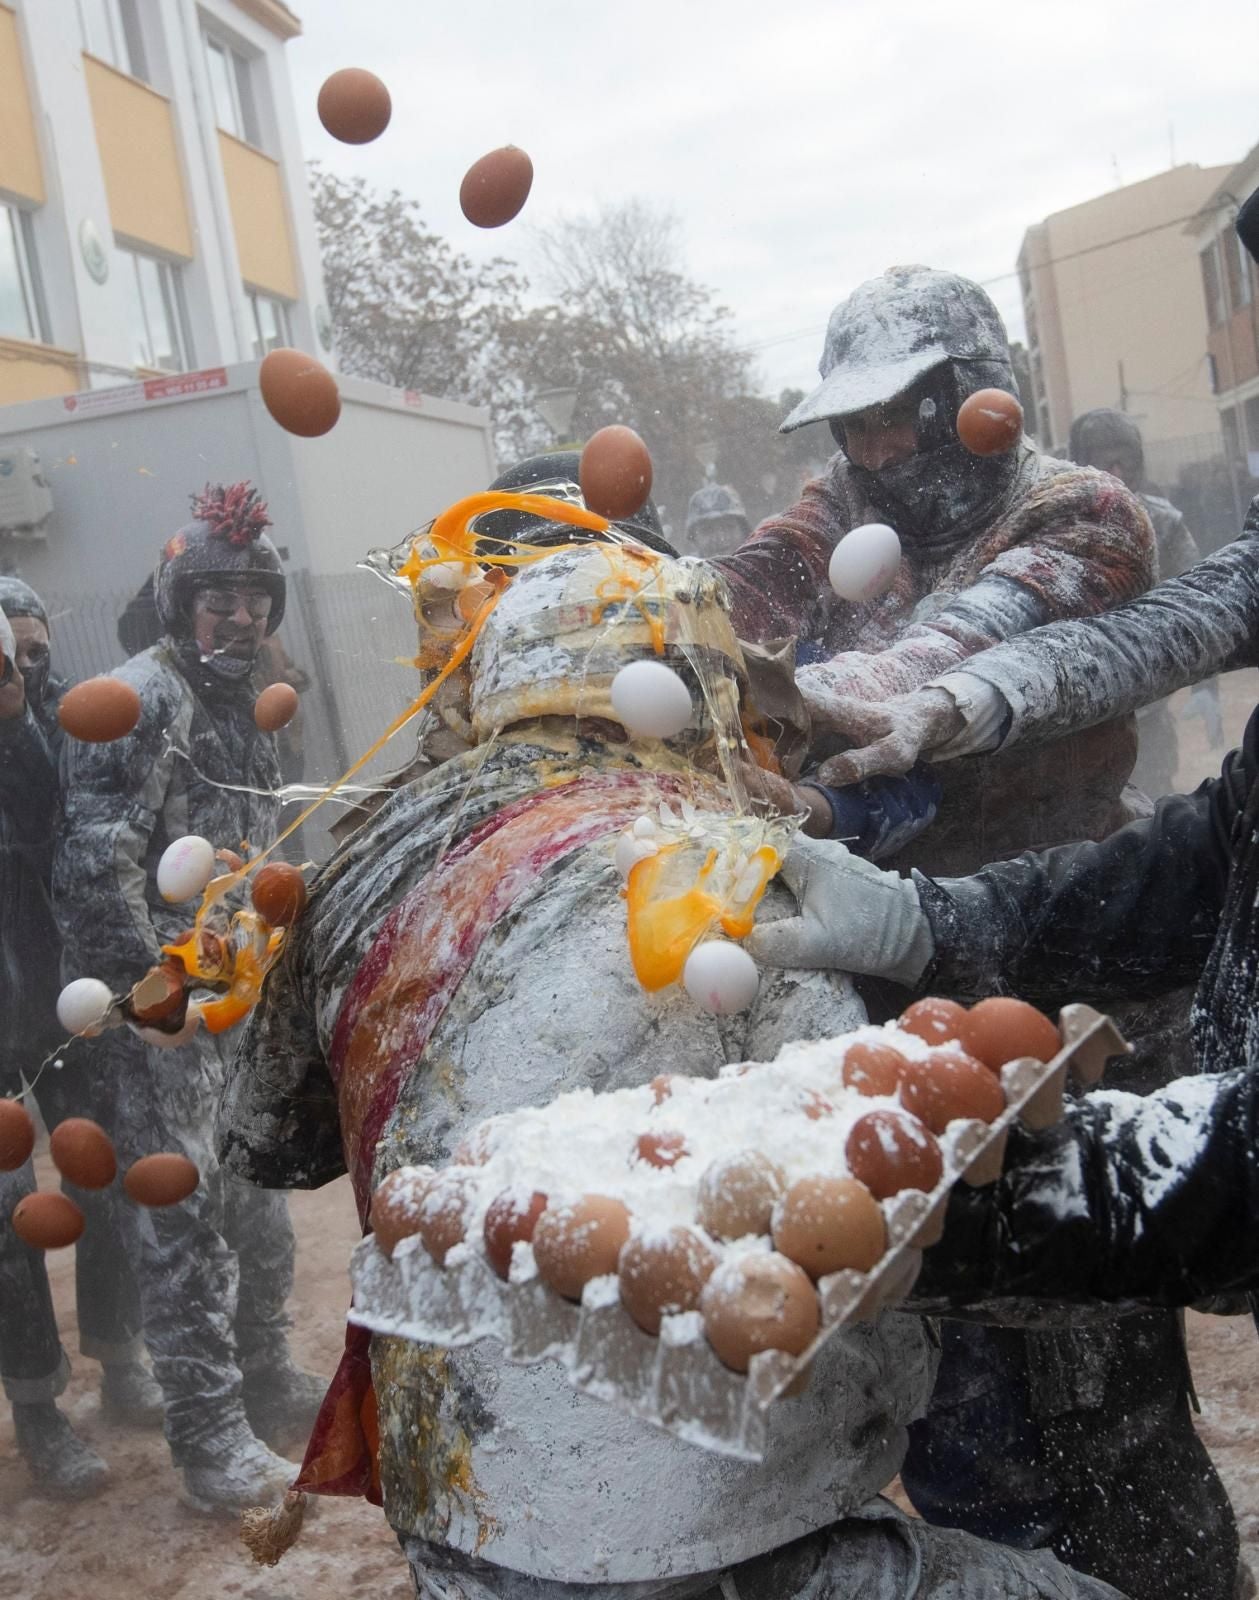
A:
216, 1268
465, 954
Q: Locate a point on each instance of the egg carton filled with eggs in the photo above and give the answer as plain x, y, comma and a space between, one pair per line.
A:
685, 1248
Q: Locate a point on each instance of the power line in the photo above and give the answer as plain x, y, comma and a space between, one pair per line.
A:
1002, 277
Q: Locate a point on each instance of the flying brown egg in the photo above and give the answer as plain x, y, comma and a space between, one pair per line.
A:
615, 473
275, 707
47, 1221
279, 893
354, 105
83, 1153
299, 392
17, 1135
163, 1179
990, 422
495, 188
99, 710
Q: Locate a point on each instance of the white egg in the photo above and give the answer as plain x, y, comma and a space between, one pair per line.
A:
650, 698
865, 562
186, 867
720, 977
83, 1005
630, 850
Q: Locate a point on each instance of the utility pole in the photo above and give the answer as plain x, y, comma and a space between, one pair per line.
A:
1123, 390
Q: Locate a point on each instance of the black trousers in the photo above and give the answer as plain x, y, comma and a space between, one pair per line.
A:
33, 1365
1079, 1441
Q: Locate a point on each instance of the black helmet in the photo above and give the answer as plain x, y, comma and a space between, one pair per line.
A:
1098, 436
557, 474
225, 540
935, 337
712, 501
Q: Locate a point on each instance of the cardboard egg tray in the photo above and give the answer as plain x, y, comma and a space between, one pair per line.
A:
676, 1381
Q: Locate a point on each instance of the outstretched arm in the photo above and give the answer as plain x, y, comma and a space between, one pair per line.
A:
1153, 1199
1135, 914
1077, 544
1070, 675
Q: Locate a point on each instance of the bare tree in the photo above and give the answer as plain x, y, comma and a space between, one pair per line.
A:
641, 341
406, 309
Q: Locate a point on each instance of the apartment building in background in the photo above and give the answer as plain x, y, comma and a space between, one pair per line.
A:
154, 211
1230, 290
1112, 296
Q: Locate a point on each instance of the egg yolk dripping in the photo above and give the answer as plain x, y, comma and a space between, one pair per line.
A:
628, 565
665, 927
233, 952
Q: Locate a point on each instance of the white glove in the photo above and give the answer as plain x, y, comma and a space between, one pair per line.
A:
8, 644
853, 917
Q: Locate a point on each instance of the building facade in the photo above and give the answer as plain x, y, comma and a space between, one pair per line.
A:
1113, 306
154, 211
1230, 292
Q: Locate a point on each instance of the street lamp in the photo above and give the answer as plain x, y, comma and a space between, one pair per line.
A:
555, 407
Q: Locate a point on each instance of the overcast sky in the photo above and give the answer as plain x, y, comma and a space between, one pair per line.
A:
804, 144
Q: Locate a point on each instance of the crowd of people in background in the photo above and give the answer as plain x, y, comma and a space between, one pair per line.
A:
993, 731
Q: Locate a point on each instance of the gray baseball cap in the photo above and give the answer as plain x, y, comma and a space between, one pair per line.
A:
891, 331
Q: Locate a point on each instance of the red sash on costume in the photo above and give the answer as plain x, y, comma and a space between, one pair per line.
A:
391, 1009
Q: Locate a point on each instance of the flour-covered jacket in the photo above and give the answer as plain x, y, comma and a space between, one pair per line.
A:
195, 763
1185, 629
505, 1462
29, 944
1151, 1199
1065, 541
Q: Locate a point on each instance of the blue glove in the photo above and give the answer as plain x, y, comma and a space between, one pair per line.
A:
879, 816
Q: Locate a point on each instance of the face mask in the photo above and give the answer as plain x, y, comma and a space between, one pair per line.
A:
35, 679
934, 497
229, 667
